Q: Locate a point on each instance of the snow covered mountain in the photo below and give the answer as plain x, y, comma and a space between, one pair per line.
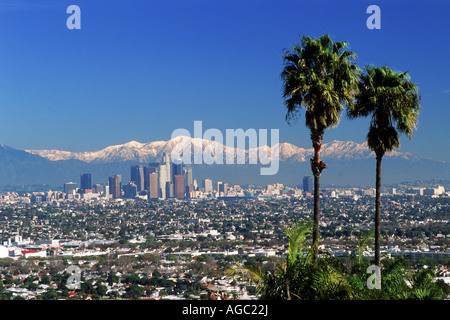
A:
153, 151
349, 163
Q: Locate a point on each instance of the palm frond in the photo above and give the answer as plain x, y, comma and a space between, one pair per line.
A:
393, 103
321, 76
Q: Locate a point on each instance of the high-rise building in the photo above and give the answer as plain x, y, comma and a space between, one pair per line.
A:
154, 165
189, 190
169, 190
130, 190
98, 188
153, 186
70, 187
179, 186
207, 184
86, 181
223, 188
114, 186
188, 178
148, 170
165, 170
137, 176
177, 169
308, 184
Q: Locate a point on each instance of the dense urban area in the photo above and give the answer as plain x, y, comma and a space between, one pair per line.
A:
96, 247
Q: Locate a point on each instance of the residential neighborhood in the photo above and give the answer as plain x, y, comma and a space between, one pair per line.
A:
100, 248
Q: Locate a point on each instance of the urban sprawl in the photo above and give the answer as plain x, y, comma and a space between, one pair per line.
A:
163, 236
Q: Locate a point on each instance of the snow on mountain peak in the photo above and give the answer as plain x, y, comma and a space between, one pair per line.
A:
151, 151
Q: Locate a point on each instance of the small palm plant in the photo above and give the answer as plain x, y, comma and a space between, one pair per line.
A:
278, 284
297, 277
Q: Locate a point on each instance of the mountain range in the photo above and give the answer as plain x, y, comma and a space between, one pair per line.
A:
349, 163
151, 151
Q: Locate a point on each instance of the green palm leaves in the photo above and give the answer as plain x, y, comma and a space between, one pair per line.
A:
295, 277
278, 284
320, 76
392, 102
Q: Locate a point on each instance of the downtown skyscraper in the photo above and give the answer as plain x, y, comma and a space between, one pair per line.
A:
137, 176
86, 181
115, 186
165, 177
162, 180
308, 184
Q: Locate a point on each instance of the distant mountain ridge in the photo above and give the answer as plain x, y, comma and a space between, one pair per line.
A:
151, 151
349, 163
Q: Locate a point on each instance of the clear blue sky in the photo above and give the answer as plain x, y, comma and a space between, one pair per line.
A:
139, 69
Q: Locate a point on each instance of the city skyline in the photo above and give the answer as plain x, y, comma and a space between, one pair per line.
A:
154, 180
119, 67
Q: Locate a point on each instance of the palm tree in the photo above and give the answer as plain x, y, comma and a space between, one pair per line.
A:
320, 76
393, 103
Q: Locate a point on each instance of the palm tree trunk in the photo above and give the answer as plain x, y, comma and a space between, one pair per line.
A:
316, 233
377, 211
316, 168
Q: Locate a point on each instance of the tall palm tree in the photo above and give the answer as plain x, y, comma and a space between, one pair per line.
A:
393, 103
320, 76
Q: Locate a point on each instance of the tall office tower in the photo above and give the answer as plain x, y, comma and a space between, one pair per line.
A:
162, 181
153, 186
151, 168
137, 176
86, 181
207, 184
177, 169
219, 185
168, 167
165, 176
98, 188
308, 184
169, 189
189, 190
154, 165
188, 178
70, 187
223, 188
179, 186
130, 190
141, 182
114, 186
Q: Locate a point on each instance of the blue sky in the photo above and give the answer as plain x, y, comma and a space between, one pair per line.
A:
137, 70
